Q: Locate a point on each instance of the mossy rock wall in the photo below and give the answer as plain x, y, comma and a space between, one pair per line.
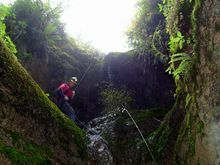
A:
198, 141
32, 129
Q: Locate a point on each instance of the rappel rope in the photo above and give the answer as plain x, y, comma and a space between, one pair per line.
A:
83, 76
124, 109
83, 124
141, 135
87, 70
89, 129
154, 160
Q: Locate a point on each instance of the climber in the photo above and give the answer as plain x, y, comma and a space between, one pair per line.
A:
63, 95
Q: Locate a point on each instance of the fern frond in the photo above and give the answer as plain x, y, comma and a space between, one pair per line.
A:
185, 64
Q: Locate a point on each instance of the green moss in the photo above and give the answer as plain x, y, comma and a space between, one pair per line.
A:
123, 145
186, 82
187, 133
14, 135
191, 143
159, 140
23, 151
23, 87
194, 23
141, 116
200, 127
21, 158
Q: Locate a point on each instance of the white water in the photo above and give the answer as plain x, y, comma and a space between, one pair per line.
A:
98, 150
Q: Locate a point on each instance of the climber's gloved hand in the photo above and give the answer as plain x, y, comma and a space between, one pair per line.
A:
74, 93
66, 98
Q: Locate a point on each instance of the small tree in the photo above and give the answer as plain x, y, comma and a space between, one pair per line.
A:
116, 99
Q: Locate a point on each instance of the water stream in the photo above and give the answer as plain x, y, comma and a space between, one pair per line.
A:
99, 153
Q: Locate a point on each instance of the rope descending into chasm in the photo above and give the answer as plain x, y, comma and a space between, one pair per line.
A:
124, 109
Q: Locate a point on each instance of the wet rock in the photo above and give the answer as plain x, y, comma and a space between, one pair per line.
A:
98, 151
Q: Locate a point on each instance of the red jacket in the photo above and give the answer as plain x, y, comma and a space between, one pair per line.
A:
67, 91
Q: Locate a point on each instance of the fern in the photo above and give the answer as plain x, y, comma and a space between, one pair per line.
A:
180, 63
185, 64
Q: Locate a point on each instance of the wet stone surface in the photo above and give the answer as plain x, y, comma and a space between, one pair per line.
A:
99, 153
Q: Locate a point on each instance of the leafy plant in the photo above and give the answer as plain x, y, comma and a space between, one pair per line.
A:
185, 64
4, 11
180, 63
176, 43
116, 100
148, 17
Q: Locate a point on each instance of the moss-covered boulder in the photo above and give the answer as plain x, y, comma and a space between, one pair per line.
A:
32, 129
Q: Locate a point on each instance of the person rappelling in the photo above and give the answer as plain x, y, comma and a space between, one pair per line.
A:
63, 95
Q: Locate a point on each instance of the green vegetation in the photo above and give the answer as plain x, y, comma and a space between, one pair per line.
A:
182, 65
182, 70
126, 141
36, 29
41, 41
158, 140
22, 151
167, 29
147, 34
141, 115
181, 24
176, 43
148, 22
41, 108
4, 10
31, 21
116, 100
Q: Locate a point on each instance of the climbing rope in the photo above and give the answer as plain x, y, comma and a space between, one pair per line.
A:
87, 128
141, 135
87, 70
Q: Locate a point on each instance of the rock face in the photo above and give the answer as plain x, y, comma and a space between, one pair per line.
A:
114, 140
98, 150
206, 109
144, 76
32, 129
207, 147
